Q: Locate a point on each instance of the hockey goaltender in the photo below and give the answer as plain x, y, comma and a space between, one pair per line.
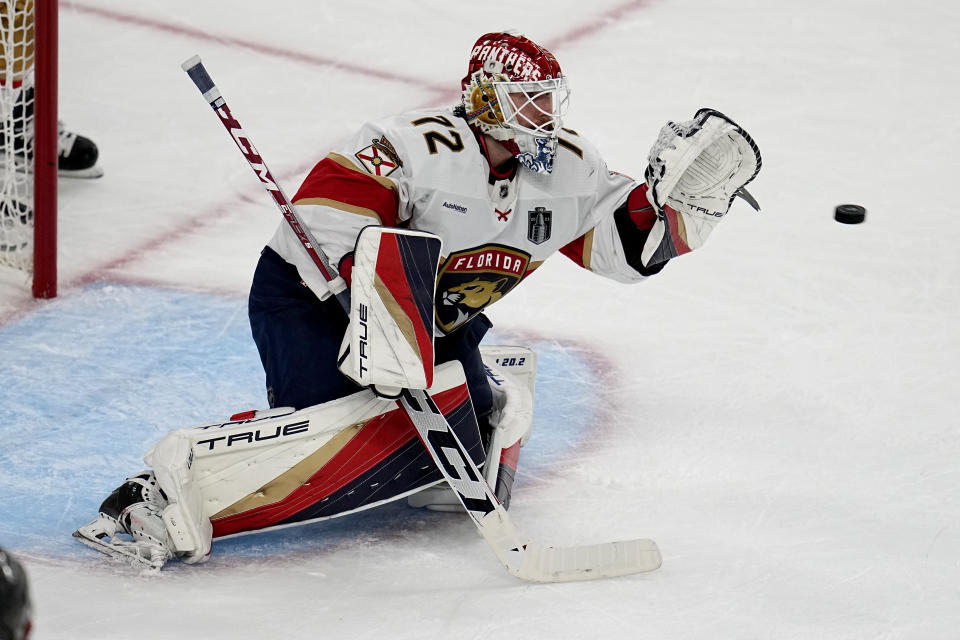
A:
430, 217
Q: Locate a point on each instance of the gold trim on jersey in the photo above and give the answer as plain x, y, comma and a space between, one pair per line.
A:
292, 479
342, 206
347, 163
566, 144
587, 249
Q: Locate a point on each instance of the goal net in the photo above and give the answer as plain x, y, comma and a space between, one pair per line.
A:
27, 223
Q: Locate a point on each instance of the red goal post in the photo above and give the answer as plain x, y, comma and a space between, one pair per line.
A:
28, 140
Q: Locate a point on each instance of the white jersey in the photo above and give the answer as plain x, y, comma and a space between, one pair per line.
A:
425, 170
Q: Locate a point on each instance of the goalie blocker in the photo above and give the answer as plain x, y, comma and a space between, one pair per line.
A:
389, 342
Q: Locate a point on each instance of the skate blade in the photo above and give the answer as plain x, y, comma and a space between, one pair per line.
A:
96, 171
151, 558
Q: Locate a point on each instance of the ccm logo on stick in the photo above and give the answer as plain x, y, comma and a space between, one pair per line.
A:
249, 437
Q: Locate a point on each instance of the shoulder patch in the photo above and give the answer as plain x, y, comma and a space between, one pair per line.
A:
379, 158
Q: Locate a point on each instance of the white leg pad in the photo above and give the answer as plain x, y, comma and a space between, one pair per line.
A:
512, 374
172, 460
210, 470
204, 469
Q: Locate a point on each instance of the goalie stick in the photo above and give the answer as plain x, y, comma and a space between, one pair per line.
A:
522, 558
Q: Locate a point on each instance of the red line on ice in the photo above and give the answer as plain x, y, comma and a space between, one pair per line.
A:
578, 33
245, 43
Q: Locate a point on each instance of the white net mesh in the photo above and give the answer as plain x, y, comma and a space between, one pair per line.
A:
16, 132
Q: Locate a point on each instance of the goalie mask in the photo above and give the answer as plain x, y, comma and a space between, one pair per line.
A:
515, 92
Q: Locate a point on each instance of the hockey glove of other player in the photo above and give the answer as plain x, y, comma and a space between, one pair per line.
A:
696, 169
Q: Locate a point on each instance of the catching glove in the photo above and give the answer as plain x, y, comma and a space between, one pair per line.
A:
696, 169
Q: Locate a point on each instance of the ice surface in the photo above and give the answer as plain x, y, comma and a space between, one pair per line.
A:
777, 410
141, 361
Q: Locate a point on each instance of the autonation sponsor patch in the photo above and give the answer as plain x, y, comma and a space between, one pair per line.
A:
459, 208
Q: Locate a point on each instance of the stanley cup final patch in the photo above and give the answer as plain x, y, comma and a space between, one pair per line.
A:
539, 225
380, 158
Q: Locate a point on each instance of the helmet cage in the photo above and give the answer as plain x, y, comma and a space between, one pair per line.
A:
535, 108
515, 92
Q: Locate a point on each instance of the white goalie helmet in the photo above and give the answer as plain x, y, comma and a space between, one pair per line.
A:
515, 92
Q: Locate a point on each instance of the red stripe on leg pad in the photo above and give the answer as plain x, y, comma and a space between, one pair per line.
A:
376, 440
511, 455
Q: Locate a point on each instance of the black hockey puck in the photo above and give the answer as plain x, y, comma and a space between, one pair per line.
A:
850, 214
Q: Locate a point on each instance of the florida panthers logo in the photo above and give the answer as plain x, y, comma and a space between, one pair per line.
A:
474, 279
475, 294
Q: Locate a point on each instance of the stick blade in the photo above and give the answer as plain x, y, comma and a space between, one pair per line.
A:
587, 562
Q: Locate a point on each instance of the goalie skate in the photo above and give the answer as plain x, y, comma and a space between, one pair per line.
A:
134, 508
101, 535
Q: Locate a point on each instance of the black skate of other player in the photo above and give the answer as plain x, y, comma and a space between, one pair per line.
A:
77, 154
